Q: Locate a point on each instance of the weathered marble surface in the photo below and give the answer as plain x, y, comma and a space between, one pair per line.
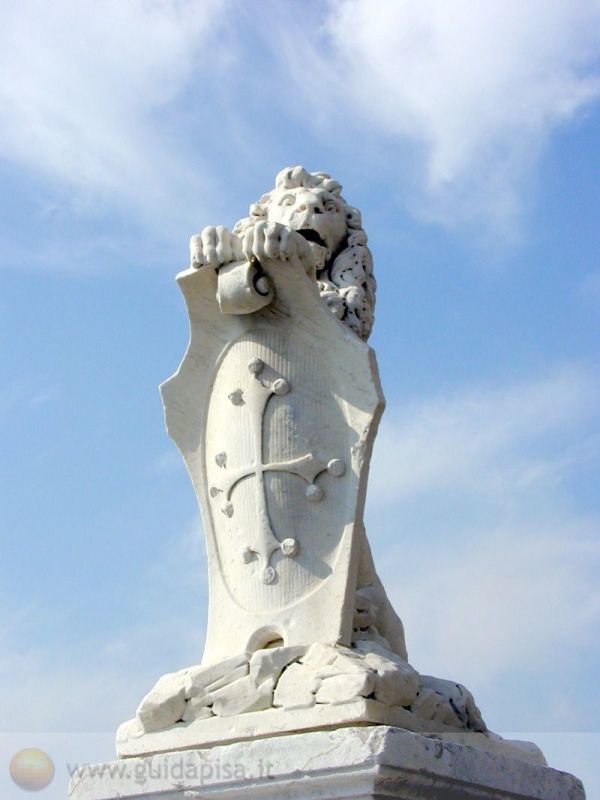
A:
350, 762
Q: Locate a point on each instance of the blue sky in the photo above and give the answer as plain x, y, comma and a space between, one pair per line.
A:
468, 135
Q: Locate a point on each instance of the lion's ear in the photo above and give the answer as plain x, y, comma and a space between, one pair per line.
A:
353, 218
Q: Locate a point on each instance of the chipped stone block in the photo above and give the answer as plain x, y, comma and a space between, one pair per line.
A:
296, 687
434, 706
320, 655
197, 708
343, 665
453, 704
378, 646
242, 696
270, 662
427, 704
396, 684
345, 688
229, 677
199, 677
164, 704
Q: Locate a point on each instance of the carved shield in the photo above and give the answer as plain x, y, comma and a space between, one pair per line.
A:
278, 456
275, 413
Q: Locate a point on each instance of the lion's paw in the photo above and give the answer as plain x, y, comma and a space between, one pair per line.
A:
276, 241
215, 246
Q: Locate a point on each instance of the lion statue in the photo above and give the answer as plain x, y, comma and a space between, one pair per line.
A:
304, 215
305, 219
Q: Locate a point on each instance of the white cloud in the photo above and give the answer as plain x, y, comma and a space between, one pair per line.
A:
81, 84
476, 87
140, 100
500, 600
491, 440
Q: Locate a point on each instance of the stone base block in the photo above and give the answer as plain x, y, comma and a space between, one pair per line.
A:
204, 733
353, 762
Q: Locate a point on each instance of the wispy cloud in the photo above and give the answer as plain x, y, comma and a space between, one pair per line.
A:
82, 86
138, 105
500, 600
488, 439
475, 88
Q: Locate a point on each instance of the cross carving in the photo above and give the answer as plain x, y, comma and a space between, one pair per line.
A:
307, 467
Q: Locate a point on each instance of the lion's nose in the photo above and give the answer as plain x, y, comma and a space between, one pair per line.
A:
306, 207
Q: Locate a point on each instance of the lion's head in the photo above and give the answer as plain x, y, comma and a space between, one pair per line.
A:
311, 204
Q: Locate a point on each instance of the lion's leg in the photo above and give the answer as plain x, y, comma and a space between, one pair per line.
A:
389, 624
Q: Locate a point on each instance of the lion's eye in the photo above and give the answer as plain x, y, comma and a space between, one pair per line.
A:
331, 207
288, 200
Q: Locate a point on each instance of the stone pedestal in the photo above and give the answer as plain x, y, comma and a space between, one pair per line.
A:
354, 762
